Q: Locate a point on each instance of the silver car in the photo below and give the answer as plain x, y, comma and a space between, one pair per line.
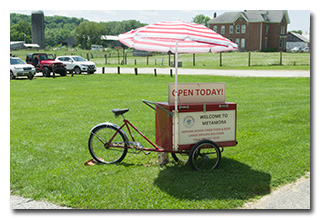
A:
77, 64
19, 68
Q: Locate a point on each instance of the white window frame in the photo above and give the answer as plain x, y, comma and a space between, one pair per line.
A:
238, 29
237, 41
230, 29
223, 29
215, 28
243, 29
283, 29
243, 43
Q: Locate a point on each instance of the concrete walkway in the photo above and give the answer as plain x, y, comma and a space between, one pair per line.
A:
291, 196
239, 73
17, 202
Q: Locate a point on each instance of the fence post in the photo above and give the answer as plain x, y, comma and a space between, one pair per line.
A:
194, 59
103, 70
118, 69
147, 60
155, 72
105, 59
171, 72
136, 71
249, 58
220, 59
280, 58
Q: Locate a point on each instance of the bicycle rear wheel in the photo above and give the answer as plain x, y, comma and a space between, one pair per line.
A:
103, 151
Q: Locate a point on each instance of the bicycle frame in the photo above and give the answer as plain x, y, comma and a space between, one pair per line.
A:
128, 124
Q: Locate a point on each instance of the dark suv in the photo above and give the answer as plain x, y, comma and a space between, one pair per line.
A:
46, 64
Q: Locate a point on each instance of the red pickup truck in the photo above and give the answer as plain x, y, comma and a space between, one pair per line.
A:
46, 64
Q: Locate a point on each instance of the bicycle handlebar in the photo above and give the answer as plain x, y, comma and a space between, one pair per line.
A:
153, 103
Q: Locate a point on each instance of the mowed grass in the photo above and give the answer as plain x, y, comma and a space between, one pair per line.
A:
50, 121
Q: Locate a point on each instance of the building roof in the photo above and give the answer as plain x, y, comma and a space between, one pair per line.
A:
301, 37
31, 45
270, 16
109, 37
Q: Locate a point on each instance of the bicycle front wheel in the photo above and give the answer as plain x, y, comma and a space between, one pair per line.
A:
105, 150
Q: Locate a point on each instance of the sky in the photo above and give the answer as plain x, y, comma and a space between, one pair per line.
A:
300, 19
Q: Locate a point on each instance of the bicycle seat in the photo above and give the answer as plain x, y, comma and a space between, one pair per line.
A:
118, 112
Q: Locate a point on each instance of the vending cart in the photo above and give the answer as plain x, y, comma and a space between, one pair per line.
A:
195, 123
203, 114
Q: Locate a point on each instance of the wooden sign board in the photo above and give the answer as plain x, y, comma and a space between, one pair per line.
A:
198, 93
216, 126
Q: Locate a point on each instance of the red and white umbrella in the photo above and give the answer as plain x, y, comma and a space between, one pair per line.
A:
162, 36
176, 37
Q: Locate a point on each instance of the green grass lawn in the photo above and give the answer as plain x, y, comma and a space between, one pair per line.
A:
50, 120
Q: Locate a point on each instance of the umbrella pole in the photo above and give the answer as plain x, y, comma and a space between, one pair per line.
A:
176, 118
176, 79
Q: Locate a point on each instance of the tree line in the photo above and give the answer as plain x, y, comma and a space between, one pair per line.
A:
58, 28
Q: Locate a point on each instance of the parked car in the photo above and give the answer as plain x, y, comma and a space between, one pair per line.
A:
306, 49
296, 49
77, 64
46, 64
19, 68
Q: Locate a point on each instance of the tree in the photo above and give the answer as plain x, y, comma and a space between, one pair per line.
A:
88, 33
201, 19
20, 32
57, 28
297, 32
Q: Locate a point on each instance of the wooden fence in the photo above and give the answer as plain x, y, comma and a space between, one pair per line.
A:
213, 60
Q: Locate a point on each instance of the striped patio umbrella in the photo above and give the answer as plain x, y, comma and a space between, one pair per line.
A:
163, 36
176, 37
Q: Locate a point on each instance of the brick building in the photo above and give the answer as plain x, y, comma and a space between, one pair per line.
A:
254, 30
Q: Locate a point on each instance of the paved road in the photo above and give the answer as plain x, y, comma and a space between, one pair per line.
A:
240, 73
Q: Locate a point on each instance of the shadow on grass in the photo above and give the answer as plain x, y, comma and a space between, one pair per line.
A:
231, 180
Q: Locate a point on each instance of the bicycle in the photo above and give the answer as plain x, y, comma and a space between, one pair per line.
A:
108, 143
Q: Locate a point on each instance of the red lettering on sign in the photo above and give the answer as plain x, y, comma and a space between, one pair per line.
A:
202, 92
183, 92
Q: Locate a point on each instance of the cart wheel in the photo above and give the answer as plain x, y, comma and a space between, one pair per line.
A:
183, 157
205, 155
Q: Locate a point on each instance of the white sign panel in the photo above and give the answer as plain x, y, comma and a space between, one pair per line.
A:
198, 92
211, 125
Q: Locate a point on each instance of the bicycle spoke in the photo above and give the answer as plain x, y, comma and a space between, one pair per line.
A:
99, 138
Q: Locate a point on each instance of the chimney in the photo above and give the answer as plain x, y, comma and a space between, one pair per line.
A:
215, 15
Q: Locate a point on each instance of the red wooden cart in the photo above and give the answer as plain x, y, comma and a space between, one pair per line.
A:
195, 134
